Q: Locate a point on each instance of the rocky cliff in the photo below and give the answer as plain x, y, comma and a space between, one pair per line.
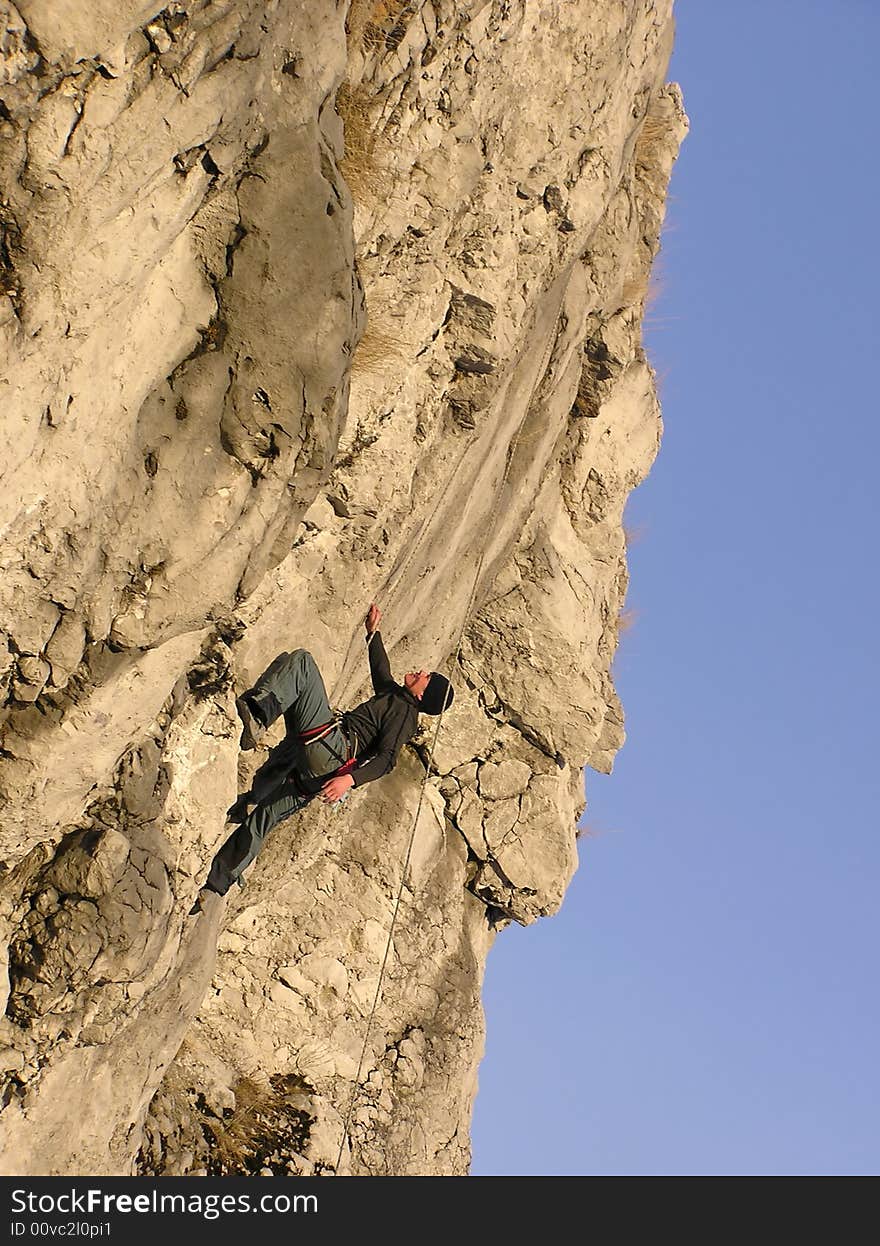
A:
304, 306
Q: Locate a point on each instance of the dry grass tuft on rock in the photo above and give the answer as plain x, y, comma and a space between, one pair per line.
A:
642, 289
369, 180
269, 1126
626, 621
377, 351
378, 24
656, 129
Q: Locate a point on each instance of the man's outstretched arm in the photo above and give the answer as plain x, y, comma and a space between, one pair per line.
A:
380, 667
380, 672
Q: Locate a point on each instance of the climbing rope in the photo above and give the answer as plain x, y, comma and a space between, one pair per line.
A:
395, 576
412, 836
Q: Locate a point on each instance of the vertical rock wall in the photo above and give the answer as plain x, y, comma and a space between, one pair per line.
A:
304, 306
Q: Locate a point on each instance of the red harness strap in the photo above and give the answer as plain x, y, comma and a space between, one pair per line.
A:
324, 729
317, 733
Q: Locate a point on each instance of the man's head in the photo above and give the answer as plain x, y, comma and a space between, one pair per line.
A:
433, 690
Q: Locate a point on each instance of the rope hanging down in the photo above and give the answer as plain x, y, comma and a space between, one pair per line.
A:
412, 836
396, 575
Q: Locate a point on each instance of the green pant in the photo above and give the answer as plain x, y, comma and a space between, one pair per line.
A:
291, 686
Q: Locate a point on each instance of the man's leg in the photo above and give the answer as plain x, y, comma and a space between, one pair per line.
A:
244, 844
291, 686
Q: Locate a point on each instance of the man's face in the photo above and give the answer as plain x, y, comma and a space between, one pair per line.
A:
416, 682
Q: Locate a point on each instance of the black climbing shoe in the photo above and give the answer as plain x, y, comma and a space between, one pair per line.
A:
207, 890
252, 729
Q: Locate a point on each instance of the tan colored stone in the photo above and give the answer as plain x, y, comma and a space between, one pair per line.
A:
500, 780
91, 868
272, 350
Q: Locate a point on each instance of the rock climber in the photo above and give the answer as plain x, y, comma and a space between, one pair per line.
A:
321, 754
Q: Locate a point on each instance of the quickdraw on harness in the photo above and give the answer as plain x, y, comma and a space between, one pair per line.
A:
317, 734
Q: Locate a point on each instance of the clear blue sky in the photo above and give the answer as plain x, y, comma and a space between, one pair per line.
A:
706, 1002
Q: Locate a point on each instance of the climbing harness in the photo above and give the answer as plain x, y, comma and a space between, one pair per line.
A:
317, 733
457, 651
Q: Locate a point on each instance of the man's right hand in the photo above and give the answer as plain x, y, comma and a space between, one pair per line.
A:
334, 789
373, 619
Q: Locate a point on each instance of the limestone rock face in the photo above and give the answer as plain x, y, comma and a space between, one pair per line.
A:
304, 306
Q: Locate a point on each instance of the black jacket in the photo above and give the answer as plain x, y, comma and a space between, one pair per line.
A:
384, 723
